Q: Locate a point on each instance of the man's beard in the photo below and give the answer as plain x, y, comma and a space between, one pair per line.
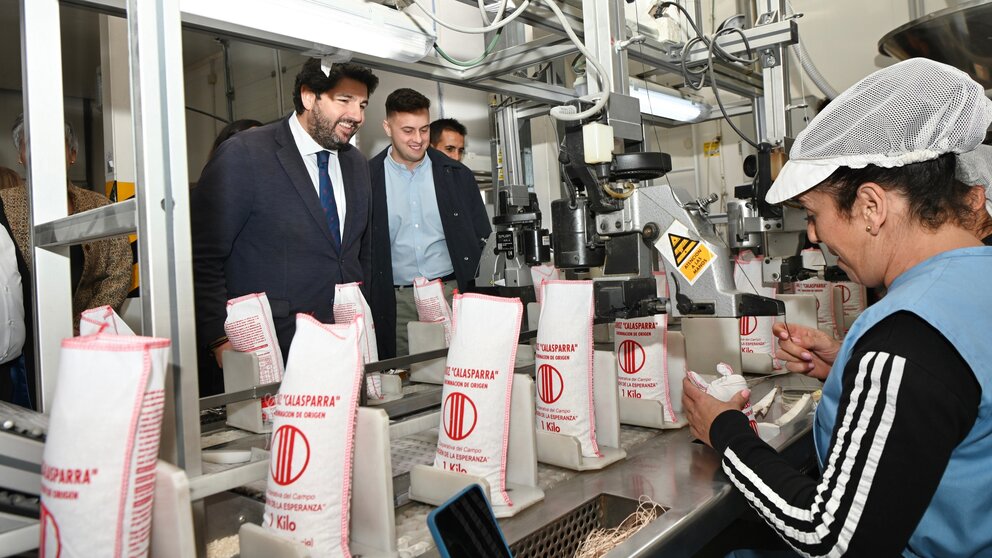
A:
324, 132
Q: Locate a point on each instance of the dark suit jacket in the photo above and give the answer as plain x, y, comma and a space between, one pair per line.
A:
258, 226
466, 228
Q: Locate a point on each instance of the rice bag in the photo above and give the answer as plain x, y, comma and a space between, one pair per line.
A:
756, 331
641, 347
98, 466
563, 361
823, 291
308, 494
432, 307
854, 300
250, 329
102, 319
478, 377
348, 303
539, 274
724, 388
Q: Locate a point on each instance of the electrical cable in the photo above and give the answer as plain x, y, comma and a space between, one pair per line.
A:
604, 80
716, 89
475, 61
499, 12
476, 30
564, 113
713, 49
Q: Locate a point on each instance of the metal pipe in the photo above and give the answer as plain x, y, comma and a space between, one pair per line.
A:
917, 8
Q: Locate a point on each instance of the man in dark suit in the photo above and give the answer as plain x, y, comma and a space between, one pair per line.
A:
428, 220
284, 209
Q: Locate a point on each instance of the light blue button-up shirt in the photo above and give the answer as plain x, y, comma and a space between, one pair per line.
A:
416, 236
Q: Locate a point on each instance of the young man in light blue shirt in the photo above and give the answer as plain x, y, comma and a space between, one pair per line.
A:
428, 219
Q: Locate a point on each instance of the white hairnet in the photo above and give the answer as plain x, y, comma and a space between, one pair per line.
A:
974, 168
910, 112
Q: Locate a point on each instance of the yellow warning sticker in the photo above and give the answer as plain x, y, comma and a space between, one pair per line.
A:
688, 255
697, 263
681, 247
711, 148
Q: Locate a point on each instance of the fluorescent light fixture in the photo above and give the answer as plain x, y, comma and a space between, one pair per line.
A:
658, 101
319, 27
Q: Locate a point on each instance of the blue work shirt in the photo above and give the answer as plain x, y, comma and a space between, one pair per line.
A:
416, 237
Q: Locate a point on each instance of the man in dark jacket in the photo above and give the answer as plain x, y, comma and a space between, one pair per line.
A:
428, 220
284, 209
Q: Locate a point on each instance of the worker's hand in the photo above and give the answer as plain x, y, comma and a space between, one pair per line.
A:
701, 409
219, 352
805, 350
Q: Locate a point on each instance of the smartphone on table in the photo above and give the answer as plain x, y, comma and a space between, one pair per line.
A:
465, 527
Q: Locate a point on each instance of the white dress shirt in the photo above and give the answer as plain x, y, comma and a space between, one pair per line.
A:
308, 149
11, 301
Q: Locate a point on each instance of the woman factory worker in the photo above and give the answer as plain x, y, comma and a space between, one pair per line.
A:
903, 431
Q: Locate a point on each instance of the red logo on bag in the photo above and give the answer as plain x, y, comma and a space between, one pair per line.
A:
845, 293
550, 383
292, 455
51, 542
748, 325
459, 416
631, 357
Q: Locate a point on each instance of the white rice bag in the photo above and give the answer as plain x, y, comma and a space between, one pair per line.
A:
563, 361
309, 487
756, 331
539, 274
725, 388
102, 319
431, 305
854, 299
823, 292
250, 329
641, 346
98, 467
478, 377
348, 303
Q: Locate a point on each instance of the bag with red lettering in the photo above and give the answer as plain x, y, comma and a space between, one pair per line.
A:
250, 329
563, 361
824, 302
756, 331
478, 377
102, 319
725, 387
309, 487
348, 303
539, 274
432, 307
98, 467
853, 299
641, 346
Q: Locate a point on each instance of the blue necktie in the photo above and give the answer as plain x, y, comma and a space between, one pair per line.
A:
327, 198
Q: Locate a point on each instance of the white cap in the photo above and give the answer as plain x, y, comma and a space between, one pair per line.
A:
913, 111
974, 168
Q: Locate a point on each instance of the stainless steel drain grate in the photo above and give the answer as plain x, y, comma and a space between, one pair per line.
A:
562, 538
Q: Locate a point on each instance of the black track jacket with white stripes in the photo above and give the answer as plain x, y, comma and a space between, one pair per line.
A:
871, 495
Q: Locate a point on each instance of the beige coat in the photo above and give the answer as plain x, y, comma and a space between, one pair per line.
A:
106, 277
